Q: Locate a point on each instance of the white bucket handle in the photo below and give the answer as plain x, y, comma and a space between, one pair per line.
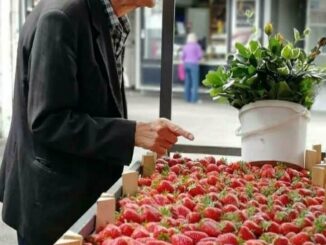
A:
304, 113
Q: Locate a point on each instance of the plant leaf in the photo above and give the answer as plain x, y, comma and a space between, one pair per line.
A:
297, 36
287, 52
242, 50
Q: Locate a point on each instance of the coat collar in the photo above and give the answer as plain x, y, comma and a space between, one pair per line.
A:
105, 45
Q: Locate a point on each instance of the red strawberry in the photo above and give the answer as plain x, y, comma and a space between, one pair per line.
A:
110, 231
212, 180
245, 233
196, 190
180, 239
187, 202
227, 226
319, 238
254, 242
156, 242
193, 217
212, 213
227, 238
210, 227
300, 238
196, 236
150, 214
130, 215
281, 240
274, 227
176, 169
176, 155
288, 227
256, 229
140, 232
230, 199
267, 172
165, 186
180, 211
127, 228
117, 241
210, 159
229, 208
211, 167
144, 182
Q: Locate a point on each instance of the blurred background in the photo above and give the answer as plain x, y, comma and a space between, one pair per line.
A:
218, 24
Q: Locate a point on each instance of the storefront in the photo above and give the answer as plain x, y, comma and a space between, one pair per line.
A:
218, 24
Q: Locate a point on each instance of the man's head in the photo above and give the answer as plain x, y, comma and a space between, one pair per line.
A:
122, 7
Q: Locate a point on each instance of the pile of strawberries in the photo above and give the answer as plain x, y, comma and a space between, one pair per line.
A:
210, 202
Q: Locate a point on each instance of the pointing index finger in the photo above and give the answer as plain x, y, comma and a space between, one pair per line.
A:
180, 131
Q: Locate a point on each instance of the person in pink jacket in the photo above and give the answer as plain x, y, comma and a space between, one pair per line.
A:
191, 55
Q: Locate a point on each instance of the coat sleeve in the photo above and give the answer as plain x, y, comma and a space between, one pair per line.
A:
53, 115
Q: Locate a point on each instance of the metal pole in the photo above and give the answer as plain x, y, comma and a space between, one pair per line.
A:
229, 30
167, 58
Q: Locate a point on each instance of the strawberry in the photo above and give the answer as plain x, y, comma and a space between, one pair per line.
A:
230, 199
177, 155
281, 240
156, 242
196, 190
140, 232
127, 228
210, 227
255, 242
288, 227
117, 241
187, 202
300, 238
267, 172
111, 231
212, 180
193, 217
246, 234
256, 229
273, 227
150, 214
227, 226
212, 213
180, 211
130, 215
227, 238
176, 169
210, 159
229, 208
211, 167
161, 199
180, 239
144, 182
319, 238
196, 236
165, 186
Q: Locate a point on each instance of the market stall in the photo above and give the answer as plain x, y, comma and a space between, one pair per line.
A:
290, 178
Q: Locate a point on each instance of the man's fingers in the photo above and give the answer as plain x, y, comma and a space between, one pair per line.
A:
180, 131
169, 136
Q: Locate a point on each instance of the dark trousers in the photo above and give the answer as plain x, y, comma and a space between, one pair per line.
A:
20, 240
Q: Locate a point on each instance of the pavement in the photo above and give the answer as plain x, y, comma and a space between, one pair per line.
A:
212, 124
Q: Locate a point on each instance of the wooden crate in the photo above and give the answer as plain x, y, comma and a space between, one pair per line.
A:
88, 223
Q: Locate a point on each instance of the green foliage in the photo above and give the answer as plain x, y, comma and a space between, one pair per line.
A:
280, 71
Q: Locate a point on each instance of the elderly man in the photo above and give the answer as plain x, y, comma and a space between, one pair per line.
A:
69, 137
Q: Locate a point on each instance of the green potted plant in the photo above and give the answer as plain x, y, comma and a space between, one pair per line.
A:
273, 87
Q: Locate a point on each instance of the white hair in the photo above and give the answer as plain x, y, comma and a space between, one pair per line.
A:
191, 38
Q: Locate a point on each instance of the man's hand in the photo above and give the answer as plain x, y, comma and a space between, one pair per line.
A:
159, 136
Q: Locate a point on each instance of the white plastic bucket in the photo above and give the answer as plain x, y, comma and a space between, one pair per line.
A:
273, 130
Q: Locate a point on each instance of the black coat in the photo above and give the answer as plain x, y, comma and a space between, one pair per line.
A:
68, 139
